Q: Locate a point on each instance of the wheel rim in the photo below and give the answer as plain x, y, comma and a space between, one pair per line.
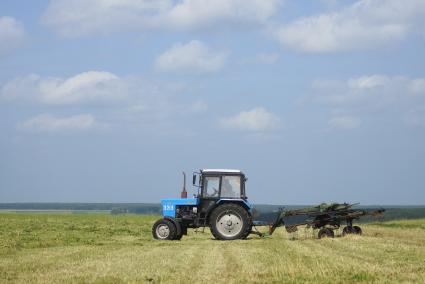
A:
229, 224
162, 231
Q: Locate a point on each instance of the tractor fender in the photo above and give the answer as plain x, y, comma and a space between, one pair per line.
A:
242, 202
176, 223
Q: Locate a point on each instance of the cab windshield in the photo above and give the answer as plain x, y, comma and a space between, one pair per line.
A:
230, 186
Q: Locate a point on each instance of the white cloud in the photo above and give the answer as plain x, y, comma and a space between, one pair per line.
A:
199, 106
387, 97
193, 57
257, 119
267, 58
197, 14
12, 35
365, 24
344, 122
87, 87
74, 18
50, 123
415, 116
331, 3
369, 91
417, 86
123, 101
368, 82
261, 58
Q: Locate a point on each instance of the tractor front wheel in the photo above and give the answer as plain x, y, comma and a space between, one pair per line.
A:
230, 222
164, 230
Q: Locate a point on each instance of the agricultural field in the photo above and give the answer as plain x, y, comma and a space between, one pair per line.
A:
103, 248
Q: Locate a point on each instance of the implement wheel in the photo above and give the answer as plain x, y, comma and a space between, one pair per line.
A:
357, 230
164, 230
348, 230
325, 233
230, 222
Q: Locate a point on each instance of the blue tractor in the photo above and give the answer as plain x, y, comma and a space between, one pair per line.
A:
221, 204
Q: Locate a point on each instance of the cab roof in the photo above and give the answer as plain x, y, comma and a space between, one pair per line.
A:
230, 171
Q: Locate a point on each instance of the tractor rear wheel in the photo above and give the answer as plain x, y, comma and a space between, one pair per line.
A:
248, 231
230, 222
326, 233
164, 230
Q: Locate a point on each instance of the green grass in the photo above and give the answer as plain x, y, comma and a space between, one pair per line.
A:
100, 248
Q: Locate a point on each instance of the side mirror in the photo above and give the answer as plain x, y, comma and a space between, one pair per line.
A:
194, 179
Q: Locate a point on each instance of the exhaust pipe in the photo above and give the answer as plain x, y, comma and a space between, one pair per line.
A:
184, 192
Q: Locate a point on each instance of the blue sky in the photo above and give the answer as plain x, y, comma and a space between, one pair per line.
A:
109, 100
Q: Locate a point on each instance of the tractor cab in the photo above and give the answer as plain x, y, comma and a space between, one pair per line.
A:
218, 184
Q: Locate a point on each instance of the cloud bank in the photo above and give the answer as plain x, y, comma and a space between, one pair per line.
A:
257, 119
344, 122
12, 35
363, 25
399, 97
75, 18
193, 57
50, 123
92, 87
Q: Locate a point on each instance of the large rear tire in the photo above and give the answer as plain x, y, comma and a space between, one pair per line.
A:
230, 222
164, 229
248, 231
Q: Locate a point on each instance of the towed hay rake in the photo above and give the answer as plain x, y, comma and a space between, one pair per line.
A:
325, 217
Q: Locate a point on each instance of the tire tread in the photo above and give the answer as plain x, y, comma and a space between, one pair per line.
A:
171, 226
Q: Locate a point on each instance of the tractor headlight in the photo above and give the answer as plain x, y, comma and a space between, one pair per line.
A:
195, 209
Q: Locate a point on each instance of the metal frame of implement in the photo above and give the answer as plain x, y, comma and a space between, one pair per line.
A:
324, 217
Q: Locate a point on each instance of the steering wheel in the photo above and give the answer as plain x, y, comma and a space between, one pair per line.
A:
215, 192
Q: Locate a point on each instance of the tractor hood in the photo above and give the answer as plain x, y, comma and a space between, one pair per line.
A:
169, 205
